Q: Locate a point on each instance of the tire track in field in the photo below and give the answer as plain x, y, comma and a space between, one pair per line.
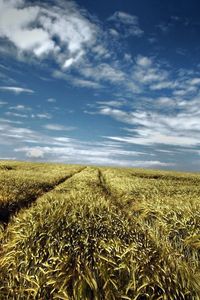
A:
10, 209
124, 205
149, 240
108, 192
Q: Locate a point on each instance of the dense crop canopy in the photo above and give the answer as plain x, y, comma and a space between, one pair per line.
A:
102, 233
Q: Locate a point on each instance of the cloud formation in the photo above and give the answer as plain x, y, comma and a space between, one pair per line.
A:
147, 102
61, 30
72, 37
126, 23
36, 145
58, 127
34, 153
151, 127
16, 90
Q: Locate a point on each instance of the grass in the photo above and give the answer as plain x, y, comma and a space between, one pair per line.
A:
102, 233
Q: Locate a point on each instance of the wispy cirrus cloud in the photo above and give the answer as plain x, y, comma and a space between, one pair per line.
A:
151, 127
2, 103
14, 114
84, 154
77, 81
104, 72
58, 127
194, 81
36, 145
20, 107
8, 121
42, 116
8, 158
86, 83
126, 23
23, 111
16, 90
146, 71
51, 100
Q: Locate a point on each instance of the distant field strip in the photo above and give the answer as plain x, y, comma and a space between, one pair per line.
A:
21, 186
93, 237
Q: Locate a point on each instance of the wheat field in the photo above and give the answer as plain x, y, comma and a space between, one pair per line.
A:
90, 233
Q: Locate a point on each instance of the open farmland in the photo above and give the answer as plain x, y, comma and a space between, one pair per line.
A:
75, 232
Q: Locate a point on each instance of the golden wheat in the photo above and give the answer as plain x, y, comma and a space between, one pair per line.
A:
104, 233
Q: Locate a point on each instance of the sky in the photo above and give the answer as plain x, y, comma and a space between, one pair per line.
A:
112, 83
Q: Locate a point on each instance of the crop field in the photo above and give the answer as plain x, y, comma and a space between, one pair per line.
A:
91, 233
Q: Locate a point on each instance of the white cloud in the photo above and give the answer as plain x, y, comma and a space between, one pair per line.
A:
3, 120
7, 158
23, 111
57, 127
164, 27
166, 101
51, 100
151, 127
86, 83
85, 154
117, 114
12, 114
79, 82
42, 116
151, 163
16, 90
150, 75
72, 28
194, 81
33, 28
104, 72
72, 60
129, 21
68, 62
64, 149
95, 76
15, 25
143, 61
162, 85
35, 153
124, 18
20, 107
3, 103
157, 138
73, 38
114, 32
166, 151
114, 103
100, 50
62, 139
128, 57
33, 39
184, 90
96, 156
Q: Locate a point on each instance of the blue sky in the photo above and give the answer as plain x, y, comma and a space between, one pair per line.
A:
101, 82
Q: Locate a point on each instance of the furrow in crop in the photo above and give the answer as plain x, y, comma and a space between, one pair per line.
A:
168, 207
160, 253
82, 241
8, 209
